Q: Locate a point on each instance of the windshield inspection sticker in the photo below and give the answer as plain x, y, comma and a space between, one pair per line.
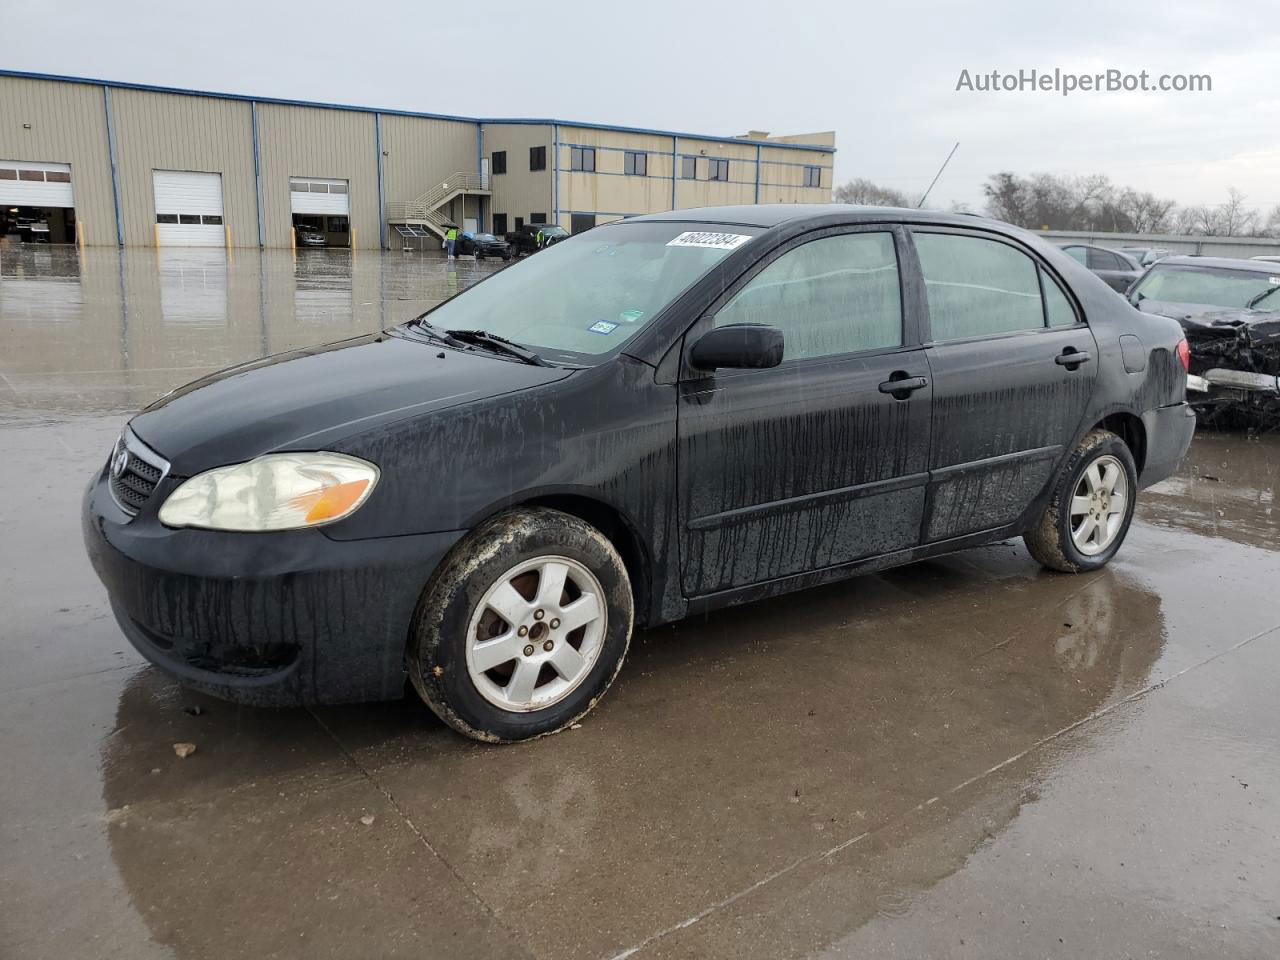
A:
713, 241
1275, 281
630, 316
603, 326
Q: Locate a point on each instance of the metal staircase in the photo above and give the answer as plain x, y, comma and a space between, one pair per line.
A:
413, 218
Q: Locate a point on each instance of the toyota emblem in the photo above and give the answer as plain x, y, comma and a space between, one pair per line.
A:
119, 461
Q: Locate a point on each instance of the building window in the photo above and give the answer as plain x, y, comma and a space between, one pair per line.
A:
189, 218
581, 222
519, 222
537, 218
582, 158
57, 176
212, 219
717, 169
499, 223
338, 225
31, 175
166, 218
636, 164
499, 164
813, 176
537, 158
688, 168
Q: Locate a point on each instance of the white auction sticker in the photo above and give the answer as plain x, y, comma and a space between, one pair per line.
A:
713, 241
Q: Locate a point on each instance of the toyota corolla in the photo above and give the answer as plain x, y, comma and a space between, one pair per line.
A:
657, 418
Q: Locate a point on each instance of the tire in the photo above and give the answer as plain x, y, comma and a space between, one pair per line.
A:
471, 665
1063, 539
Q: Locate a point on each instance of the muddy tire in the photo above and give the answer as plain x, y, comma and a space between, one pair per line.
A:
523, 627
1088, 516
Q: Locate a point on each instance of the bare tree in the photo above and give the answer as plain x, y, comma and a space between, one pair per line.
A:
869, 194
1233, 218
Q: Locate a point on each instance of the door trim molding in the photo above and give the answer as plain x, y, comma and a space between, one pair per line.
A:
823, 497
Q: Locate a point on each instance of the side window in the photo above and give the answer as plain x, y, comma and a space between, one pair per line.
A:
1101, 260
1076, 253
830, 296
978, 287
1057, 308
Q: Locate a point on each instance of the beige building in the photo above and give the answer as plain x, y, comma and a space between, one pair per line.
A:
93, 162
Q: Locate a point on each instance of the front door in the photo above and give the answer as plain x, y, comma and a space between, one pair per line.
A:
1013, 367
813, 463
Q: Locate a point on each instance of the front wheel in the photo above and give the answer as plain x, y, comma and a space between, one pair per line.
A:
1088, 516
523, 628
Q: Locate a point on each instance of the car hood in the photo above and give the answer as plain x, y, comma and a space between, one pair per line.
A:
308, 398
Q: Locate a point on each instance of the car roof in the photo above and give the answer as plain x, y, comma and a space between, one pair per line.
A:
1222, 263
773, 214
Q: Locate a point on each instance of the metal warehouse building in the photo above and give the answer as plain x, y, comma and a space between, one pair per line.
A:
94, 162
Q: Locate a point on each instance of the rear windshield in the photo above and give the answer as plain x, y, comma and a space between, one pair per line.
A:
586, 296
1213, 286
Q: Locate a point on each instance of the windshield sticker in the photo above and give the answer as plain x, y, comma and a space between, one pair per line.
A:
1275, 281
713, 241
630, 316
603, 326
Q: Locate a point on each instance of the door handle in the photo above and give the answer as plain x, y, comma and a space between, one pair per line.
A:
1072, 358
900, 386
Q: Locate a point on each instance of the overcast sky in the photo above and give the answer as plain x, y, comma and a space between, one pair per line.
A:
882, 75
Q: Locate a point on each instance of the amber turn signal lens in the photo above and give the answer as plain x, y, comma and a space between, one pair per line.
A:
330, 502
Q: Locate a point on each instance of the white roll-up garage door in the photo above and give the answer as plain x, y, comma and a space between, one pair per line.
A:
312, 195
24, 184
189, 209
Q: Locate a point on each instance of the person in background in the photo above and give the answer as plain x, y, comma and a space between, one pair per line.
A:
451, 241
539, 239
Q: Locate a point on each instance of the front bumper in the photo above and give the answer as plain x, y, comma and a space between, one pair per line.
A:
269, 619
1221, 383
1169, 431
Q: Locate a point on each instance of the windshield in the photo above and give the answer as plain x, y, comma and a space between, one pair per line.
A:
486, 237
587, 295
1207, 285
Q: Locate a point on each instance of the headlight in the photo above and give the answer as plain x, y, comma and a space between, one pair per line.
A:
280, 491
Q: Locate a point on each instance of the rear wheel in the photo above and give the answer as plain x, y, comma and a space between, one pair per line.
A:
1088, 516
523, 628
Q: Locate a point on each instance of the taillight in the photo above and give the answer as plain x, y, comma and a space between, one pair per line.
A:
1184, 354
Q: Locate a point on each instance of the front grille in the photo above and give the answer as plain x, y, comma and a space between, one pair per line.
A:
134, 478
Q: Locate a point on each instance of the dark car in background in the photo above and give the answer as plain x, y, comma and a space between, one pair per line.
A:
481, 245
525, 239
1230, 310
1117, 270
671, 414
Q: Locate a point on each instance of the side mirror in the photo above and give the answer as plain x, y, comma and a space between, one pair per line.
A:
738, 345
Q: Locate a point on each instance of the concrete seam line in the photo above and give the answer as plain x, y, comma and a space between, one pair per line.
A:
422, 837
826, 854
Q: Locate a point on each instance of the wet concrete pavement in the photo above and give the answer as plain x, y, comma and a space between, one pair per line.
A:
969, 757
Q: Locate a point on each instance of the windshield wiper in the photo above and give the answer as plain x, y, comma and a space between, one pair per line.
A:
1260, 297
423, 324
500, 344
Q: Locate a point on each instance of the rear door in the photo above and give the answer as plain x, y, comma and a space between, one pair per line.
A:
1013, 366
1114, 271
812, 463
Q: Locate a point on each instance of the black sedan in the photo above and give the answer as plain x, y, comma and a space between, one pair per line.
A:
481, 245
664, 416
1230, 310
1118, 270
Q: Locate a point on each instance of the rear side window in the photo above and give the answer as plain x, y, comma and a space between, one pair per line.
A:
830, 296
1076, 253
1057, 308
1102, 260
978, 287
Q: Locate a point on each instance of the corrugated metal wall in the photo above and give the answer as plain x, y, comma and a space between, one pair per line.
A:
520, 191
68, 125
314, 142
163, 131
1239, 247
420, 152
